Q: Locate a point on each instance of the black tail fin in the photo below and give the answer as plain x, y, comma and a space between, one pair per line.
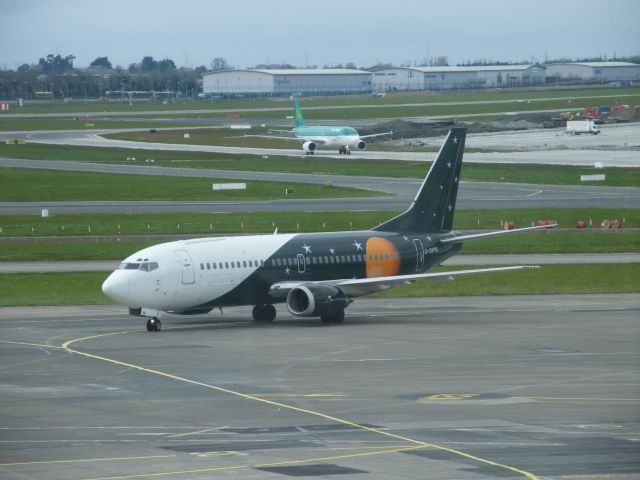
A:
432, 209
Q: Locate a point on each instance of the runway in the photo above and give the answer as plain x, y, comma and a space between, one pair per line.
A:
559, 156
522, 259
472, 195
538, 387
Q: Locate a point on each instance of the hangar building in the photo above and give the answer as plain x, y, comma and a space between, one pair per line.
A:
453, 77
287, 82
593, 71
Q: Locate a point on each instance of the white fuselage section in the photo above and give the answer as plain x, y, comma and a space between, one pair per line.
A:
350, 141
178, 275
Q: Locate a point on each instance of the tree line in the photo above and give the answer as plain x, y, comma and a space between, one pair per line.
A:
55, 76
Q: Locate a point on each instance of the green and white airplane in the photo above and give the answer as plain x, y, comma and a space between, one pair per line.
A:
312, 137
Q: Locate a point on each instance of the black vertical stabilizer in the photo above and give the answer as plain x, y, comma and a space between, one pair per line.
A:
432, 209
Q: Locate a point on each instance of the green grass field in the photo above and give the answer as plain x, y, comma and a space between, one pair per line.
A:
331, 108
283, 102
540, 242
27, 185
521, 173
29, 289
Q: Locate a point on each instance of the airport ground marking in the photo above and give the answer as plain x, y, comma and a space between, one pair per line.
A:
30, 344
260, 465
212, 429
582, 399
84, 460
419, 444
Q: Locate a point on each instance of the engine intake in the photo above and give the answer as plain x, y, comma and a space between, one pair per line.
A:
361, 145
314, 300
309, 147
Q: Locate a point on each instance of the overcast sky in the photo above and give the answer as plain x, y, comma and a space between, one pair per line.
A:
249, 32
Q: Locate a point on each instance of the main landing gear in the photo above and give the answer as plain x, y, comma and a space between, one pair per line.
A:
344, 151
334, 315
264, 313
154, 325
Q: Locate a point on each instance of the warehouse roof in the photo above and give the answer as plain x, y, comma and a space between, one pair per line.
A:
300, 71
455, 68
598, 64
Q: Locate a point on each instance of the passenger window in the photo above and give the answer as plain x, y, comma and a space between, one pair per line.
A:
343, 259
208, 266
226, 264
375, 256
244, 263
279, 262
261, 263
326, 259
333, 259
314, 260
359, 258
386, 256
289, 261
251, 263
214, 265
273, 262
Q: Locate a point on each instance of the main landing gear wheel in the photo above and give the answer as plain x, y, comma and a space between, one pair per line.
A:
334, 316
264, 313
154, 325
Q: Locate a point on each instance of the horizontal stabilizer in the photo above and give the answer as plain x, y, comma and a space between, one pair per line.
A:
464, 238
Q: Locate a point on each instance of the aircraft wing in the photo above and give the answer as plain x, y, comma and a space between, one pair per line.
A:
376, 135
356, 287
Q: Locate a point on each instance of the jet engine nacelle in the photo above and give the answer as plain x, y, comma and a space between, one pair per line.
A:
313, 300
361, 145
309, 147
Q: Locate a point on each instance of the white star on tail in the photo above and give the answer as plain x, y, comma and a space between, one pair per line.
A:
332, 251
357, 245
307, 248
455, 139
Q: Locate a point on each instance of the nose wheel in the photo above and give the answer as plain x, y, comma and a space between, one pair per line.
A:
154, 325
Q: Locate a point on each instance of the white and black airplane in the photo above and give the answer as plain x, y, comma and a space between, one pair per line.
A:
315, 274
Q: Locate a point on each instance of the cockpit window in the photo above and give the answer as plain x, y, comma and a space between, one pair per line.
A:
148, 266
145, 266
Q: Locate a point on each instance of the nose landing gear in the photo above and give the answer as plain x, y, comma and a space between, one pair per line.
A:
154, 325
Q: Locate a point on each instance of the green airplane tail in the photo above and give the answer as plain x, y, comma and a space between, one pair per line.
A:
298, 113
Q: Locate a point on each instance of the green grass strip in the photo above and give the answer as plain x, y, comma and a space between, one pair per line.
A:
28, 185
30, 289
266, 222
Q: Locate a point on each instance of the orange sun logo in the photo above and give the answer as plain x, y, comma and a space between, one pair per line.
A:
383, 259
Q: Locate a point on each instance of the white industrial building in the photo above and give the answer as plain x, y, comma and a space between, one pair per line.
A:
593, 71
287, 82
453, 77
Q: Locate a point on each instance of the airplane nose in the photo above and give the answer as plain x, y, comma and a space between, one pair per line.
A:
116, 288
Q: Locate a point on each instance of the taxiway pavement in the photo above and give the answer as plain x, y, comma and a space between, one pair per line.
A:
472, 195
538, 387
558, 156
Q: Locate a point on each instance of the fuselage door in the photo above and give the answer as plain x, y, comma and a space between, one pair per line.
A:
419, 253
301, 263
188, 272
